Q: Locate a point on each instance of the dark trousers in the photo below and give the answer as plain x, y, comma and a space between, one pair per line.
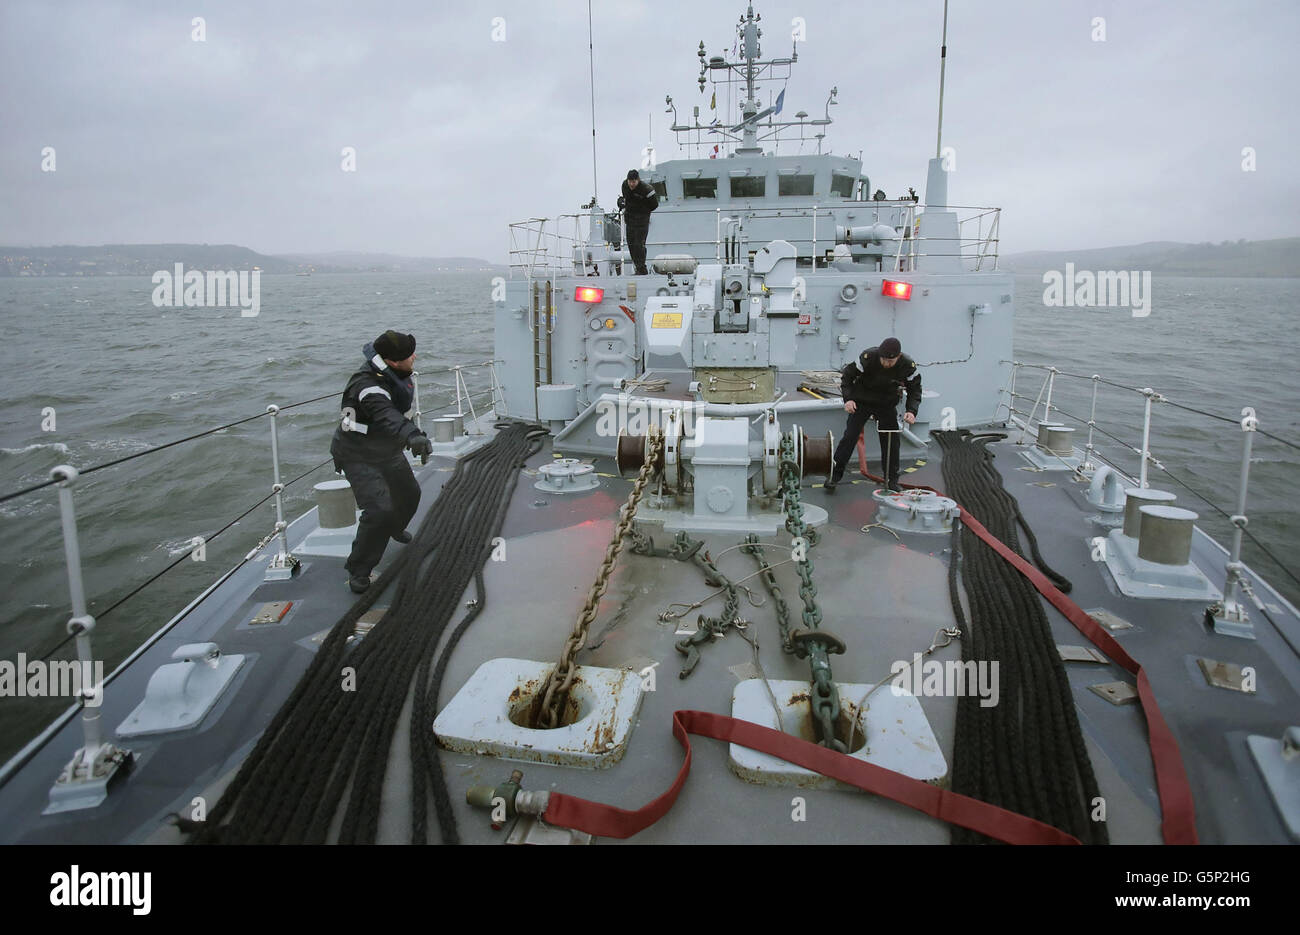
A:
637, 230
388, 494
886, 418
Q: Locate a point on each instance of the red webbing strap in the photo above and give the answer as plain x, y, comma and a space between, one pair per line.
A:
1178, 823
862, 455
611, 822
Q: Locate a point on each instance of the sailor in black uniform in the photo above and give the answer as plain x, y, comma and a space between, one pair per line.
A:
636, 203
367, 449
871, 387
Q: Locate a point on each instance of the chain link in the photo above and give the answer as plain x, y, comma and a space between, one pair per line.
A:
754, 548
556, 691
708, 628
804, 538
824, 697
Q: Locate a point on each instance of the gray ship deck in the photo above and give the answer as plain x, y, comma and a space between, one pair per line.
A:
884, 597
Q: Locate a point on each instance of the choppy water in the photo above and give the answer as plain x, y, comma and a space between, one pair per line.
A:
122, 375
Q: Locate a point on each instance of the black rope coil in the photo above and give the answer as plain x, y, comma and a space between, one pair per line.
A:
317, 772
1026, 753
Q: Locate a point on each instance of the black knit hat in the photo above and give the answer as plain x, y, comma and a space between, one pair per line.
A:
393, 345
890, 347
633, 174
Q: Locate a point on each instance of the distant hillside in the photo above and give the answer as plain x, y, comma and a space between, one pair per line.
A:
147, 259
132, 259
386, 262
1262, 258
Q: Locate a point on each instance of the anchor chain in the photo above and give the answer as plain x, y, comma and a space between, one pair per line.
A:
810, 642
754, 548
556, 691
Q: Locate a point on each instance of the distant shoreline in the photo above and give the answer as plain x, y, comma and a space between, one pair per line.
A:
1254, 259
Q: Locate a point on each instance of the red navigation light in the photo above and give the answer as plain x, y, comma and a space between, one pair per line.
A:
588, 294
896, 290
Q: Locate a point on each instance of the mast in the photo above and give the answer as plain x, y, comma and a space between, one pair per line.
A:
749, 107
943, 64
750, 70
591, 61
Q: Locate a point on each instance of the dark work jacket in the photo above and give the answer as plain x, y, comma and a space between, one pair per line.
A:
374, 400
867, 381
638, 204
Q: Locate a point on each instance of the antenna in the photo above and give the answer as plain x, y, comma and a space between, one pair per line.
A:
943, 64
591, 59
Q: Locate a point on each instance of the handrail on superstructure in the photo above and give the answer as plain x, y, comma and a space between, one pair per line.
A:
539, 246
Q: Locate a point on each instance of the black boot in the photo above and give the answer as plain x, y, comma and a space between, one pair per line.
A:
837, 475
402, 537
359, 584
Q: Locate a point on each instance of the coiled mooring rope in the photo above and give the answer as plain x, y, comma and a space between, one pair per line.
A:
317, 773
1026, 753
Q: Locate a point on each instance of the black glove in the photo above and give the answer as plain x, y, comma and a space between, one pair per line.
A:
622, 202
420, 446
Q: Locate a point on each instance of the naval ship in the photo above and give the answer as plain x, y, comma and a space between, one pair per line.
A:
633, 610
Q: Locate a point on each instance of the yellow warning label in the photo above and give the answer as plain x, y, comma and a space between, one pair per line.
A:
666, 320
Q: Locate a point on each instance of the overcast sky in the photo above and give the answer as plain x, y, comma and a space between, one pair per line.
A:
238, 138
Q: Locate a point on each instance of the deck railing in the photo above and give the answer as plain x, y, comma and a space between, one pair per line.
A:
97, 757
1029, 419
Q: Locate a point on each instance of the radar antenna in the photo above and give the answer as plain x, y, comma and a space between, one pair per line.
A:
748, 72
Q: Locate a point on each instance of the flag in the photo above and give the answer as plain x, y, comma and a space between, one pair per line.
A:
714, 154
713, 101
774, 109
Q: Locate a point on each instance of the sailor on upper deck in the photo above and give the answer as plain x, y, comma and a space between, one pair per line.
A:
636, 202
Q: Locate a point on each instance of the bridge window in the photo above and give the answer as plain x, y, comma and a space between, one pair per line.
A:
796, 185
842, 185
749, 186
699, 188
661, 188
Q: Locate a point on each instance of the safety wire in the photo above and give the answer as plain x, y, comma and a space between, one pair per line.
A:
1190, 489
99, 617
669, 615
157, 448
